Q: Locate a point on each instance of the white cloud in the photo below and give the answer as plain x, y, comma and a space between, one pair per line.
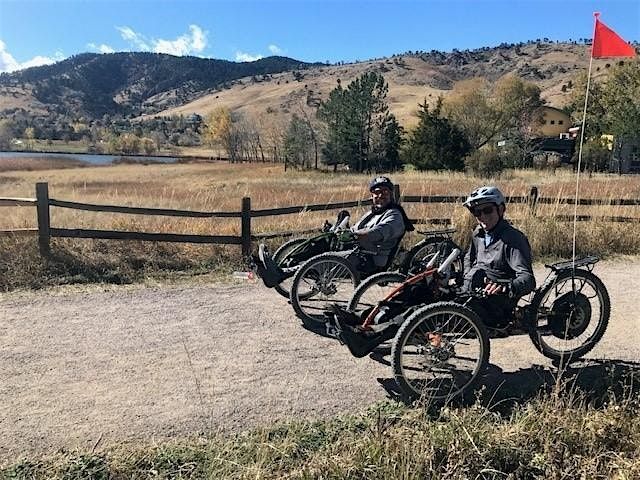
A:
134, 38
247, 57
102, 48
276, 50
10, 64
187, 44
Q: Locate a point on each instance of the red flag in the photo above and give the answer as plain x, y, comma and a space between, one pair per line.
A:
607, 43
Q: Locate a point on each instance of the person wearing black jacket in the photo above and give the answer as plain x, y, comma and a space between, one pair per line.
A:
499, 259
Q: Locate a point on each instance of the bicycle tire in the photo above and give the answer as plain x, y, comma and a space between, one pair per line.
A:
541, 306
279, 256
366, 287
318, 274
425, 325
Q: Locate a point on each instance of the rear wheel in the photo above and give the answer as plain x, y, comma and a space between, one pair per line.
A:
319, 282
373, 290
280, 257
421, 252
439, 352
571, 315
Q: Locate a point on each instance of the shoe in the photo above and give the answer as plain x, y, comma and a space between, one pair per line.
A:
267, 269
360, 342
346, 317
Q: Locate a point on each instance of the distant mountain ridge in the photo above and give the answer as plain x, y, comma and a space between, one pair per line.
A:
122, 83
139, 85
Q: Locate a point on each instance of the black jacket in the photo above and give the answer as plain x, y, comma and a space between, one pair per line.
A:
507, 257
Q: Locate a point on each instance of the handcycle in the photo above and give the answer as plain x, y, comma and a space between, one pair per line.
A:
331, 278
292, 254
440, 346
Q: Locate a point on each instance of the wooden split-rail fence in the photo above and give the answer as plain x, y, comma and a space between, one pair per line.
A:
45, 231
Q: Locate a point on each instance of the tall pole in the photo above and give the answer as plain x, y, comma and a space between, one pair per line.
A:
582, 129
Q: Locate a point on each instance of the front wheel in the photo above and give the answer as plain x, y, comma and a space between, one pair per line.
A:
439, 352
322, 280
571, 315
280, 257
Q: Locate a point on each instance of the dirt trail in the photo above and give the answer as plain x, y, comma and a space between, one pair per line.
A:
155, 363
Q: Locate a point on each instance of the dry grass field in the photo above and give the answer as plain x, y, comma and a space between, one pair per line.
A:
220, 187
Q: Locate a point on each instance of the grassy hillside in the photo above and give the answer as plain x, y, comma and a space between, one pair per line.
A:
411, 77
273, 88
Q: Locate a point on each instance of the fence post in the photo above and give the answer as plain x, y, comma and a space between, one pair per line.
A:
245, 227
396, 193
533, 200
42, 199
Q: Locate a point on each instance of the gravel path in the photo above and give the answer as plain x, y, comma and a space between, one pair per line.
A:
147, 364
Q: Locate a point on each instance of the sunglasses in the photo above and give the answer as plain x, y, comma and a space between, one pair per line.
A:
486, 210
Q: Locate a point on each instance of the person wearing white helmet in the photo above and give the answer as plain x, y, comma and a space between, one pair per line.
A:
499, 259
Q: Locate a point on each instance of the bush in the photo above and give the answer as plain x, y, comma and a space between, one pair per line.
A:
595, 156
485, 163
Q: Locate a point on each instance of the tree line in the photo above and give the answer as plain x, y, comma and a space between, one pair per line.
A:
354, 129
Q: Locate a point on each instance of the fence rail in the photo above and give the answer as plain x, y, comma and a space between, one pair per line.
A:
43, 204
141, 210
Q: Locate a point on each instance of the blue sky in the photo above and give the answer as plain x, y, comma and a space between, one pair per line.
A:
34, 32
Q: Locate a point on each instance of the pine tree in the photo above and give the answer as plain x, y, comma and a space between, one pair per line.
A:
435, 143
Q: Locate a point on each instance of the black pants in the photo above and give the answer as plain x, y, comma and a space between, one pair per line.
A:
494, 310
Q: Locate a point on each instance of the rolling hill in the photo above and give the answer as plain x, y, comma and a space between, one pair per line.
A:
140, 85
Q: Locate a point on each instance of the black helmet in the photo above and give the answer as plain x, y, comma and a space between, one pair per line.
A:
381, 181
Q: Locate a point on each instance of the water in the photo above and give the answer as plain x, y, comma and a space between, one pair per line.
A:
90, 158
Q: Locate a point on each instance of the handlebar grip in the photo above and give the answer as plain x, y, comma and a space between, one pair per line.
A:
343, 223
433, 260
449, 260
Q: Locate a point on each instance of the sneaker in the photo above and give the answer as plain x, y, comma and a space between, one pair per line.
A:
267, 269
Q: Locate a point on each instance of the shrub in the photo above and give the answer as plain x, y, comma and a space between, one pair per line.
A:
485, 163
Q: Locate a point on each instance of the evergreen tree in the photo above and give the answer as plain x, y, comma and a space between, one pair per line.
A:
361, 133
298, 142
435, 143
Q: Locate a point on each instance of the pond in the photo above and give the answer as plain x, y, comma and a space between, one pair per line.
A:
90, 158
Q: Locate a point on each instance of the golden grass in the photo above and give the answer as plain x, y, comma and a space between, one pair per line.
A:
565, 434
220, 187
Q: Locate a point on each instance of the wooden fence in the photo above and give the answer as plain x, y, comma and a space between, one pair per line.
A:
45, 231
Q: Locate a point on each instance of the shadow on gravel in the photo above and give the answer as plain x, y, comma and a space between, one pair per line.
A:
594, 381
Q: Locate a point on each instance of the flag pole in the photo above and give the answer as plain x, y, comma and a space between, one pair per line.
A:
582, 129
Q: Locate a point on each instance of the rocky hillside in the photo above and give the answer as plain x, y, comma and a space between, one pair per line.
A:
146, 84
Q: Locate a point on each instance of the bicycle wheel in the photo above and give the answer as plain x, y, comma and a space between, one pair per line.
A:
439, 352
320, 281
373, 290
571, 315
421, 252
280, 257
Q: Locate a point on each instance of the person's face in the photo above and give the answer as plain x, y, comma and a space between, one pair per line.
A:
381, 197
488, 215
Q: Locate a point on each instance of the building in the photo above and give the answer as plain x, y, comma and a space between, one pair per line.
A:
551, 122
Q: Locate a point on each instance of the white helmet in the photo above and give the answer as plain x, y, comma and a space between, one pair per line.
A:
484, 195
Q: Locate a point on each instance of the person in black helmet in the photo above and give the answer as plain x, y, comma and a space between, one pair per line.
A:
498, 260
381, 229
378, 231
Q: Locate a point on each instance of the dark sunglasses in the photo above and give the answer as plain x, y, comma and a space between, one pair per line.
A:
477, 212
